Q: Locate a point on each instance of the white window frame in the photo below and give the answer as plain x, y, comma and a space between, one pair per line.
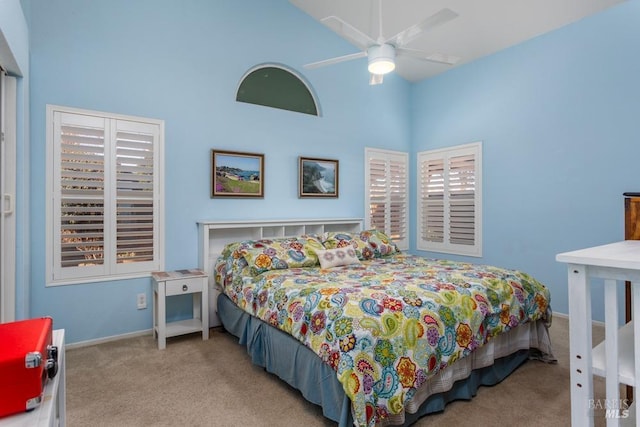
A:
110, 269
444, 155
388, 156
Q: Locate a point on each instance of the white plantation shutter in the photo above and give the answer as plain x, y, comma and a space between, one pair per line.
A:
79, 225
462, 190
432, 202
136, 219
387, 194
449, 196
104, 209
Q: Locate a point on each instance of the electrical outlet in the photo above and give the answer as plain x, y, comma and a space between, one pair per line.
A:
141, 300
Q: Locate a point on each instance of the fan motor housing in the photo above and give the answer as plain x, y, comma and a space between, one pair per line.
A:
381, 59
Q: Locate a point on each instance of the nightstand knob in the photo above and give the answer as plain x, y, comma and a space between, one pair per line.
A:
185, 288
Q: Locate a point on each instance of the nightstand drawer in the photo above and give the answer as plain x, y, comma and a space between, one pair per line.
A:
183, 286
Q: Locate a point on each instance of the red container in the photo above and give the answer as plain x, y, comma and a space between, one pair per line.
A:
27, 360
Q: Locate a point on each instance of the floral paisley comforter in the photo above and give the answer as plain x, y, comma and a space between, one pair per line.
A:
388, 324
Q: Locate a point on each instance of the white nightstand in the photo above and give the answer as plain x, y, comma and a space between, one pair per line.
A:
180, 282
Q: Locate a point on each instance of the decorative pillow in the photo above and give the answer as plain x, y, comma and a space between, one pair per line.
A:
368, 244
230, 249
333, 239
281, 253
337, 257
230, 264
380, 243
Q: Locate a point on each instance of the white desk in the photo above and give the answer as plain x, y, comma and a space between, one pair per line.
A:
614, 358
52, 410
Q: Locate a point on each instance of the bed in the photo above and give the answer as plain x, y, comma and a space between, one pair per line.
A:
373, 335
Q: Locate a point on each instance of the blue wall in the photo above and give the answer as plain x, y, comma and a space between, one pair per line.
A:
557, 116
182, 62
559, 119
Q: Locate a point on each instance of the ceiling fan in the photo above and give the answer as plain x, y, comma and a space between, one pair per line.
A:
381, 51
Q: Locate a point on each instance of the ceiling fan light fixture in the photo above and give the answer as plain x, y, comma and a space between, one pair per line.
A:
381, 59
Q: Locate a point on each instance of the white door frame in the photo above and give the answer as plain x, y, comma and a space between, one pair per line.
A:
8, 124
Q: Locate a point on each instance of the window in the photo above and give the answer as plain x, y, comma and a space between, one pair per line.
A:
276, 86
387, 194
449, 200
104, 205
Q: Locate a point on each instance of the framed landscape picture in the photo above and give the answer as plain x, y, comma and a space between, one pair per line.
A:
318, 177
235, 174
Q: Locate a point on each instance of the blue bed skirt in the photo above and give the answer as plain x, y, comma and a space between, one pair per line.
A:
284, 356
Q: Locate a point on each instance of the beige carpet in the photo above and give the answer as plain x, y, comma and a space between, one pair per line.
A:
213, 383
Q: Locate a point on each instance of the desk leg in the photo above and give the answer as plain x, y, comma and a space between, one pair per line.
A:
635, 302
580, 342
611, 350
62, 387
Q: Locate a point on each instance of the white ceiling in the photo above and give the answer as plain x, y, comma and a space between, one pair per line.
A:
481, 27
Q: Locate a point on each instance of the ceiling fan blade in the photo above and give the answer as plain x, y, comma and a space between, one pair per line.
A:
335, 60
411, 33
375, 79
349, 32
439, 58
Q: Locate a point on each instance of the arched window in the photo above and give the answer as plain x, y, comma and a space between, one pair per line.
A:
275, 86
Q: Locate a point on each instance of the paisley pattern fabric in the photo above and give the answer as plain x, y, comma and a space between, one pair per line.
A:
367, 244
388, 324
276, 254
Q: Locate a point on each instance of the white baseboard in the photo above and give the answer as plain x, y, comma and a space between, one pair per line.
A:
108, 339
566, 316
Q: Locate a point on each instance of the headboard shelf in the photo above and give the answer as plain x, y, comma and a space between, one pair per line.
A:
213, 236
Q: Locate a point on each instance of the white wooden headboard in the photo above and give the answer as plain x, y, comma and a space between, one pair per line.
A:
213, 236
